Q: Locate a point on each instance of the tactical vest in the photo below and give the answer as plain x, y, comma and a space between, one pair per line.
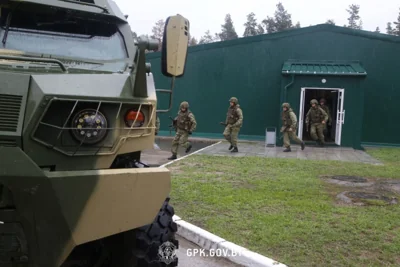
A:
287, 121
232, 115
316, 115
183, 121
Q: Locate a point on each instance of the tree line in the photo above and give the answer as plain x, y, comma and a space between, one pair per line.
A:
282, 20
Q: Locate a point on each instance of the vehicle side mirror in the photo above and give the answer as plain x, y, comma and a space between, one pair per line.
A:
174, 46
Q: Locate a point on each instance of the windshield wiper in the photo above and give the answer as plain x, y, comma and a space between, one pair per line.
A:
9, 16
105, 10
35, 59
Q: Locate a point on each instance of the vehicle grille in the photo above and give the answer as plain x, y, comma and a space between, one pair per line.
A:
10, 106
11, 143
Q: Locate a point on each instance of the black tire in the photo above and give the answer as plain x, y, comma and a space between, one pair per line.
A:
135, 248
149, 238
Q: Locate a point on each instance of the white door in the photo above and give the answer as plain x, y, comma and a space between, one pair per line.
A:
339, 117
301, 113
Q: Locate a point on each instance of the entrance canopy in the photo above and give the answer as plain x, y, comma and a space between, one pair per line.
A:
338, 68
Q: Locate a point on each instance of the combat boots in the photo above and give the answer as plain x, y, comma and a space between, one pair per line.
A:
287, 149
230, 147
235, 149
173, 157
188, 148
302, 145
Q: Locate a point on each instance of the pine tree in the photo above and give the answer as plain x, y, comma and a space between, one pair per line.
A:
283, 20
250, 26
354, 19
228, 30
158, 32
377, 29
269, 24
330, 21
192, 41
396, 29
206, 38
389, 29
260, 29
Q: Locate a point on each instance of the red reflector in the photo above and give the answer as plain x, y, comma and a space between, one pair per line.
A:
131, 116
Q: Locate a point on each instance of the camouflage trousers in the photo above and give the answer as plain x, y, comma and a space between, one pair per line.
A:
317, 132
231, 134
290, 135
181, 138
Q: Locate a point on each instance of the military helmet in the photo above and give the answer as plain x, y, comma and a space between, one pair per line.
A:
234, 100
286, 105
314, 101
184, 104
322, 100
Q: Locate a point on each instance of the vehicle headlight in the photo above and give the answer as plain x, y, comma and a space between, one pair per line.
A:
89, 127
133, 115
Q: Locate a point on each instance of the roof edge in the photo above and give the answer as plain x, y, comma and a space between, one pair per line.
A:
291, 32
352, 68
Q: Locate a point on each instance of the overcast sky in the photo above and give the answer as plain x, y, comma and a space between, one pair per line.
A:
209, 14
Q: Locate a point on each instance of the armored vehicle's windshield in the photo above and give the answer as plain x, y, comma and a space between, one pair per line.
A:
59, 34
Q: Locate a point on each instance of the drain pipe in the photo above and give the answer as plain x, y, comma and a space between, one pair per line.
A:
286, 88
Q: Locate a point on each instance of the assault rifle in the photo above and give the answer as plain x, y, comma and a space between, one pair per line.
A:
173, 125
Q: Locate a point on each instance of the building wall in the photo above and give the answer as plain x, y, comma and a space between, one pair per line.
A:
250, 69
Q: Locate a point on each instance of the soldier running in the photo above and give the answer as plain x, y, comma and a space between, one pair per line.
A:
317, 117
322, 103
185, 125
289, 126
233, 122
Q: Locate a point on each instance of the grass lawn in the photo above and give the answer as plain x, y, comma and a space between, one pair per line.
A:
282, 209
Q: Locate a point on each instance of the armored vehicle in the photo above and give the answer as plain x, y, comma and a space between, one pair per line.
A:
78, 104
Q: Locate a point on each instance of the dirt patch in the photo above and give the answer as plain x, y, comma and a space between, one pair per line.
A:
365, 191
351, 181
391, 185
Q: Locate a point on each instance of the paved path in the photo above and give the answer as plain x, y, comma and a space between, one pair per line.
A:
310, 152
185, 258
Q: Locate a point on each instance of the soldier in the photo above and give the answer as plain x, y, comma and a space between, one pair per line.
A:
185, 125
317, 117
233, 123
322, 103
289, 126
157, 125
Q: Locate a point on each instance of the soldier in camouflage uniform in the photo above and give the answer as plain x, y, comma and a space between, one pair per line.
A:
289, 126
157, 125
185, 125
322, 103
317, 117
233, 122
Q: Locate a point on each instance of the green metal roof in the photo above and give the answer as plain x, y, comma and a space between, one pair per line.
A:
323, 68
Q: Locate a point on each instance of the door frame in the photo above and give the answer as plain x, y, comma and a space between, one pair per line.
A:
340, 111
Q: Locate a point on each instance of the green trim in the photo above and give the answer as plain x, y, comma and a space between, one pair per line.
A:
337, 68
373, 144
289, 33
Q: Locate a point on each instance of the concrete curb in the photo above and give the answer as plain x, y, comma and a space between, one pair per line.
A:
209, 241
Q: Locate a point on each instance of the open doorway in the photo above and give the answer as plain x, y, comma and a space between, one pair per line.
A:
334, 101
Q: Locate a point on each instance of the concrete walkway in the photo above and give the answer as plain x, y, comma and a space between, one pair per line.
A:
309, 153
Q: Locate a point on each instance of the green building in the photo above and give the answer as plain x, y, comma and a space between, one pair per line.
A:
357, 72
